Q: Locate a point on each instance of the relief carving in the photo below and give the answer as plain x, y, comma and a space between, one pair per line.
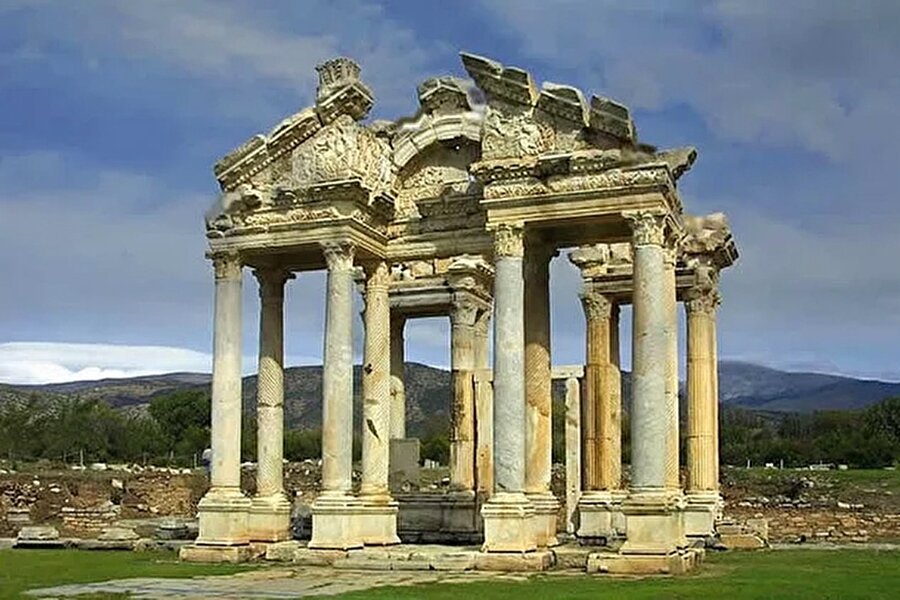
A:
342, 150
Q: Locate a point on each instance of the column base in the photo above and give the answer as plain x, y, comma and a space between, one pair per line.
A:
218, 554
508, 523
673, 563
343, 522
378, 520
600, 515
269, 519
654, 523
546, 518
222, 513
702, 511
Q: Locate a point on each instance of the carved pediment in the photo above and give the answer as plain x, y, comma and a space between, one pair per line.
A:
341, 150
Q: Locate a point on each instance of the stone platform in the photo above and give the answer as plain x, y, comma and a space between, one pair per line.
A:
433, 557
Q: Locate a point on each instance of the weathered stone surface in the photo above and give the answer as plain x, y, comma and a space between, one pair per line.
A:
540, 560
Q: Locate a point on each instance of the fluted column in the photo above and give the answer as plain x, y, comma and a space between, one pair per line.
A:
702, 408
671, 308
398, 384
223, 509
463, 316
270, 511
507, 515
484, 404
538, 399
601, 406
337, 376
376, 385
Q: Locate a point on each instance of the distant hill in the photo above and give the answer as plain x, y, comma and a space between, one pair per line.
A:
763, 388
741, 384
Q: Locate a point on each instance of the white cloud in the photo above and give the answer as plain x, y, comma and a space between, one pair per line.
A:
809, 74
245, 48
42, 362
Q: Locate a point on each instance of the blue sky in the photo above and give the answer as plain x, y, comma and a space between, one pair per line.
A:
114, 112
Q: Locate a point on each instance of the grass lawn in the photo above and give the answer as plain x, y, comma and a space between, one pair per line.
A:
793, 574
28, 569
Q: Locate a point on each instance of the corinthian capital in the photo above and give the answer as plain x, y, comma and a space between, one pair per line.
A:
227, 265
509, 241
648, 229
464, 312
702, 300
378, 276
338, 255
596, 305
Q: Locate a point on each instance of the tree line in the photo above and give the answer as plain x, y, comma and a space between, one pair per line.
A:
174, 429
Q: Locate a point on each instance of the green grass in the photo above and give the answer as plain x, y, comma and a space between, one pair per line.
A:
21, 570
794, 574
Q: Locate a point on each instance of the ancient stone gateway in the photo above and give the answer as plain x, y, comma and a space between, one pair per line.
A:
457, 211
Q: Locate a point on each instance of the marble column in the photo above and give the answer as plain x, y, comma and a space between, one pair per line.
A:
398, 384
270, 512
223, 509
655, 528
601, 410
573, 451
703, 499
335, 507
463, 316
380, 525
672, 440
484, 405
508, 514
538, 397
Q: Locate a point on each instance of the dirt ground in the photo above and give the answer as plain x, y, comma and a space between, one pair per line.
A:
801, 505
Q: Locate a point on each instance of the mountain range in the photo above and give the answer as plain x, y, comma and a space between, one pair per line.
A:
741, 384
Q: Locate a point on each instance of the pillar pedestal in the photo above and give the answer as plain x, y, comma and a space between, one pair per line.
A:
702, 511
508, 523
336, 523
601, 519
269, 518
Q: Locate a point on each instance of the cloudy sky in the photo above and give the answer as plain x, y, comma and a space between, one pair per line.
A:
113, 113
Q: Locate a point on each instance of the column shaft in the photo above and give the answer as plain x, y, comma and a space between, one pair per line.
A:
601, 405
650, 420
538, 398
376, 384
671, 323
509, 364
337, 376
398, 385
702, 434
270, 383
462, 415
484, 404
226, 381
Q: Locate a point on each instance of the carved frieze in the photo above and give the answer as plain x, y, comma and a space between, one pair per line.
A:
513, 135
342, 150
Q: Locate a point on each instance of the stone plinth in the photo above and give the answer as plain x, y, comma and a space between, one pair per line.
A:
601, 519
269, 518
439, 518
39, 536
508, 523
404, 464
